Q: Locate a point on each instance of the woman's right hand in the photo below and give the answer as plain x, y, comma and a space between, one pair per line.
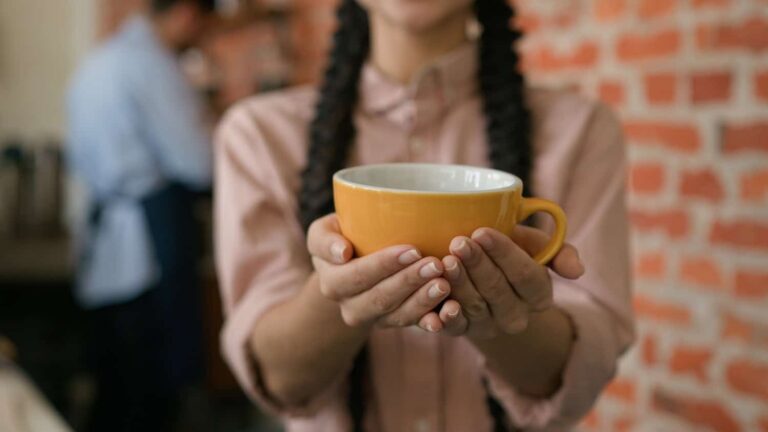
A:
394, 287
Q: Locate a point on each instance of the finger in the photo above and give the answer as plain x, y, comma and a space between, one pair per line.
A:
387, 295
431, 323
566, 263
418, 304
324, 240
507, 309
529, 279
474, 307
453, 319
360, 274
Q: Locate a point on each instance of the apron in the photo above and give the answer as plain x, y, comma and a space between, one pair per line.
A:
171, 309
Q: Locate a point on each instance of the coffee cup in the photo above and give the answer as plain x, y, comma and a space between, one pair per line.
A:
427, 205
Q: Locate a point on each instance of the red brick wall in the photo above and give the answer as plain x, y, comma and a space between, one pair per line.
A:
690, 80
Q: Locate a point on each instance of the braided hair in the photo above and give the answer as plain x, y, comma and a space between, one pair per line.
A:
332, 131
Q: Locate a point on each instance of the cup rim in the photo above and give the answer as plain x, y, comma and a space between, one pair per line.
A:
339, 177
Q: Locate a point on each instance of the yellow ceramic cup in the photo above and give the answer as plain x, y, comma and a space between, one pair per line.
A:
427, 205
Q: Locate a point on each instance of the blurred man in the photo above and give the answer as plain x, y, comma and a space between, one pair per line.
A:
138, 144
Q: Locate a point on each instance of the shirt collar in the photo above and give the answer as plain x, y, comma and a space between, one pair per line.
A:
449, 79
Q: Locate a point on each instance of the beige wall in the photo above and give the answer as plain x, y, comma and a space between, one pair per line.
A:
40, 44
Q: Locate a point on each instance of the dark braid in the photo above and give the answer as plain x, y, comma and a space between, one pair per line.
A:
503, 89
332, 131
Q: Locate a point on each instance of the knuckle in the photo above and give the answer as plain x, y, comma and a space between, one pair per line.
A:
397, 320
527, 272
514, 325
496, 285
475, 308
382, 303
357, 279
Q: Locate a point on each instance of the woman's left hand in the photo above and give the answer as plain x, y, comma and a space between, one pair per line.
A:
495, 284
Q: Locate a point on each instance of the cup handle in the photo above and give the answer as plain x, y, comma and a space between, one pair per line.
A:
533, 205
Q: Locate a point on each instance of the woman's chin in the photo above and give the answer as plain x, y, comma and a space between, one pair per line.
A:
419, 16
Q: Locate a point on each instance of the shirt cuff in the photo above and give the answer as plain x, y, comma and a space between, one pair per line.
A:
591, 365
235, 344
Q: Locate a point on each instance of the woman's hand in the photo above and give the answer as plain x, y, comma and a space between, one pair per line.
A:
496, 284
394, 287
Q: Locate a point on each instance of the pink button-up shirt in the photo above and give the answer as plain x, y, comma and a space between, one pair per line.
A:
421, 381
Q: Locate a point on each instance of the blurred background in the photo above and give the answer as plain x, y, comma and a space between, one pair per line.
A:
689, 79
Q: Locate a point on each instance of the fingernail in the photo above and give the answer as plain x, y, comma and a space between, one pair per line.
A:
454, 313
462, 248
581, 264
337, 251
430, 328
435, 291
452, 271
409, 257
485, 240
429, 271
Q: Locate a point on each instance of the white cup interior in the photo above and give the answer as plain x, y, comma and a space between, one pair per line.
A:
431, 178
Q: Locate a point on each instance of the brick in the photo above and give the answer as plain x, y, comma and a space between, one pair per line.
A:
649, 349
624, 423
699, 412
680, 137
701, 271
691, 360
546, 58
660, 88
745, 137
674, 223
612, 92
751, 34
751, 284
609, 10
528, 22
749, 377
761, 85
654, 310
592, 420
622, 389
703, 184
650, 265
656, 8
642, 46
646, 178
754, 186
701, 4
744, 330
745, 234
711, 87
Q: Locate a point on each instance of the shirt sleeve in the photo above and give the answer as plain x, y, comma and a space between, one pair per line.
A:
599, 303
260, 254
174, 122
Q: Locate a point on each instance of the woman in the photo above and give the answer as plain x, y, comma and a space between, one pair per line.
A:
483, 339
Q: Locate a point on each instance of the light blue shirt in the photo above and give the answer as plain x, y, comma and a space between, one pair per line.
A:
134, 123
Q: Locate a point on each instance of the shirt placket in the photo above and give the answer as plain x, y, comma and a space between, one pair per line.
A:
421, 115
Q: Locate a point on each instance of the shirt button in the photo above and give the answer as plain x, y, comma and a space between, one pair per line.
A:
417, 145
421, 425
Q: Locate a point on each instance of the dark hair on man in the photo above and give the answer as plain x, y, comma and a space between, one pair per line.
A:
160, 6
